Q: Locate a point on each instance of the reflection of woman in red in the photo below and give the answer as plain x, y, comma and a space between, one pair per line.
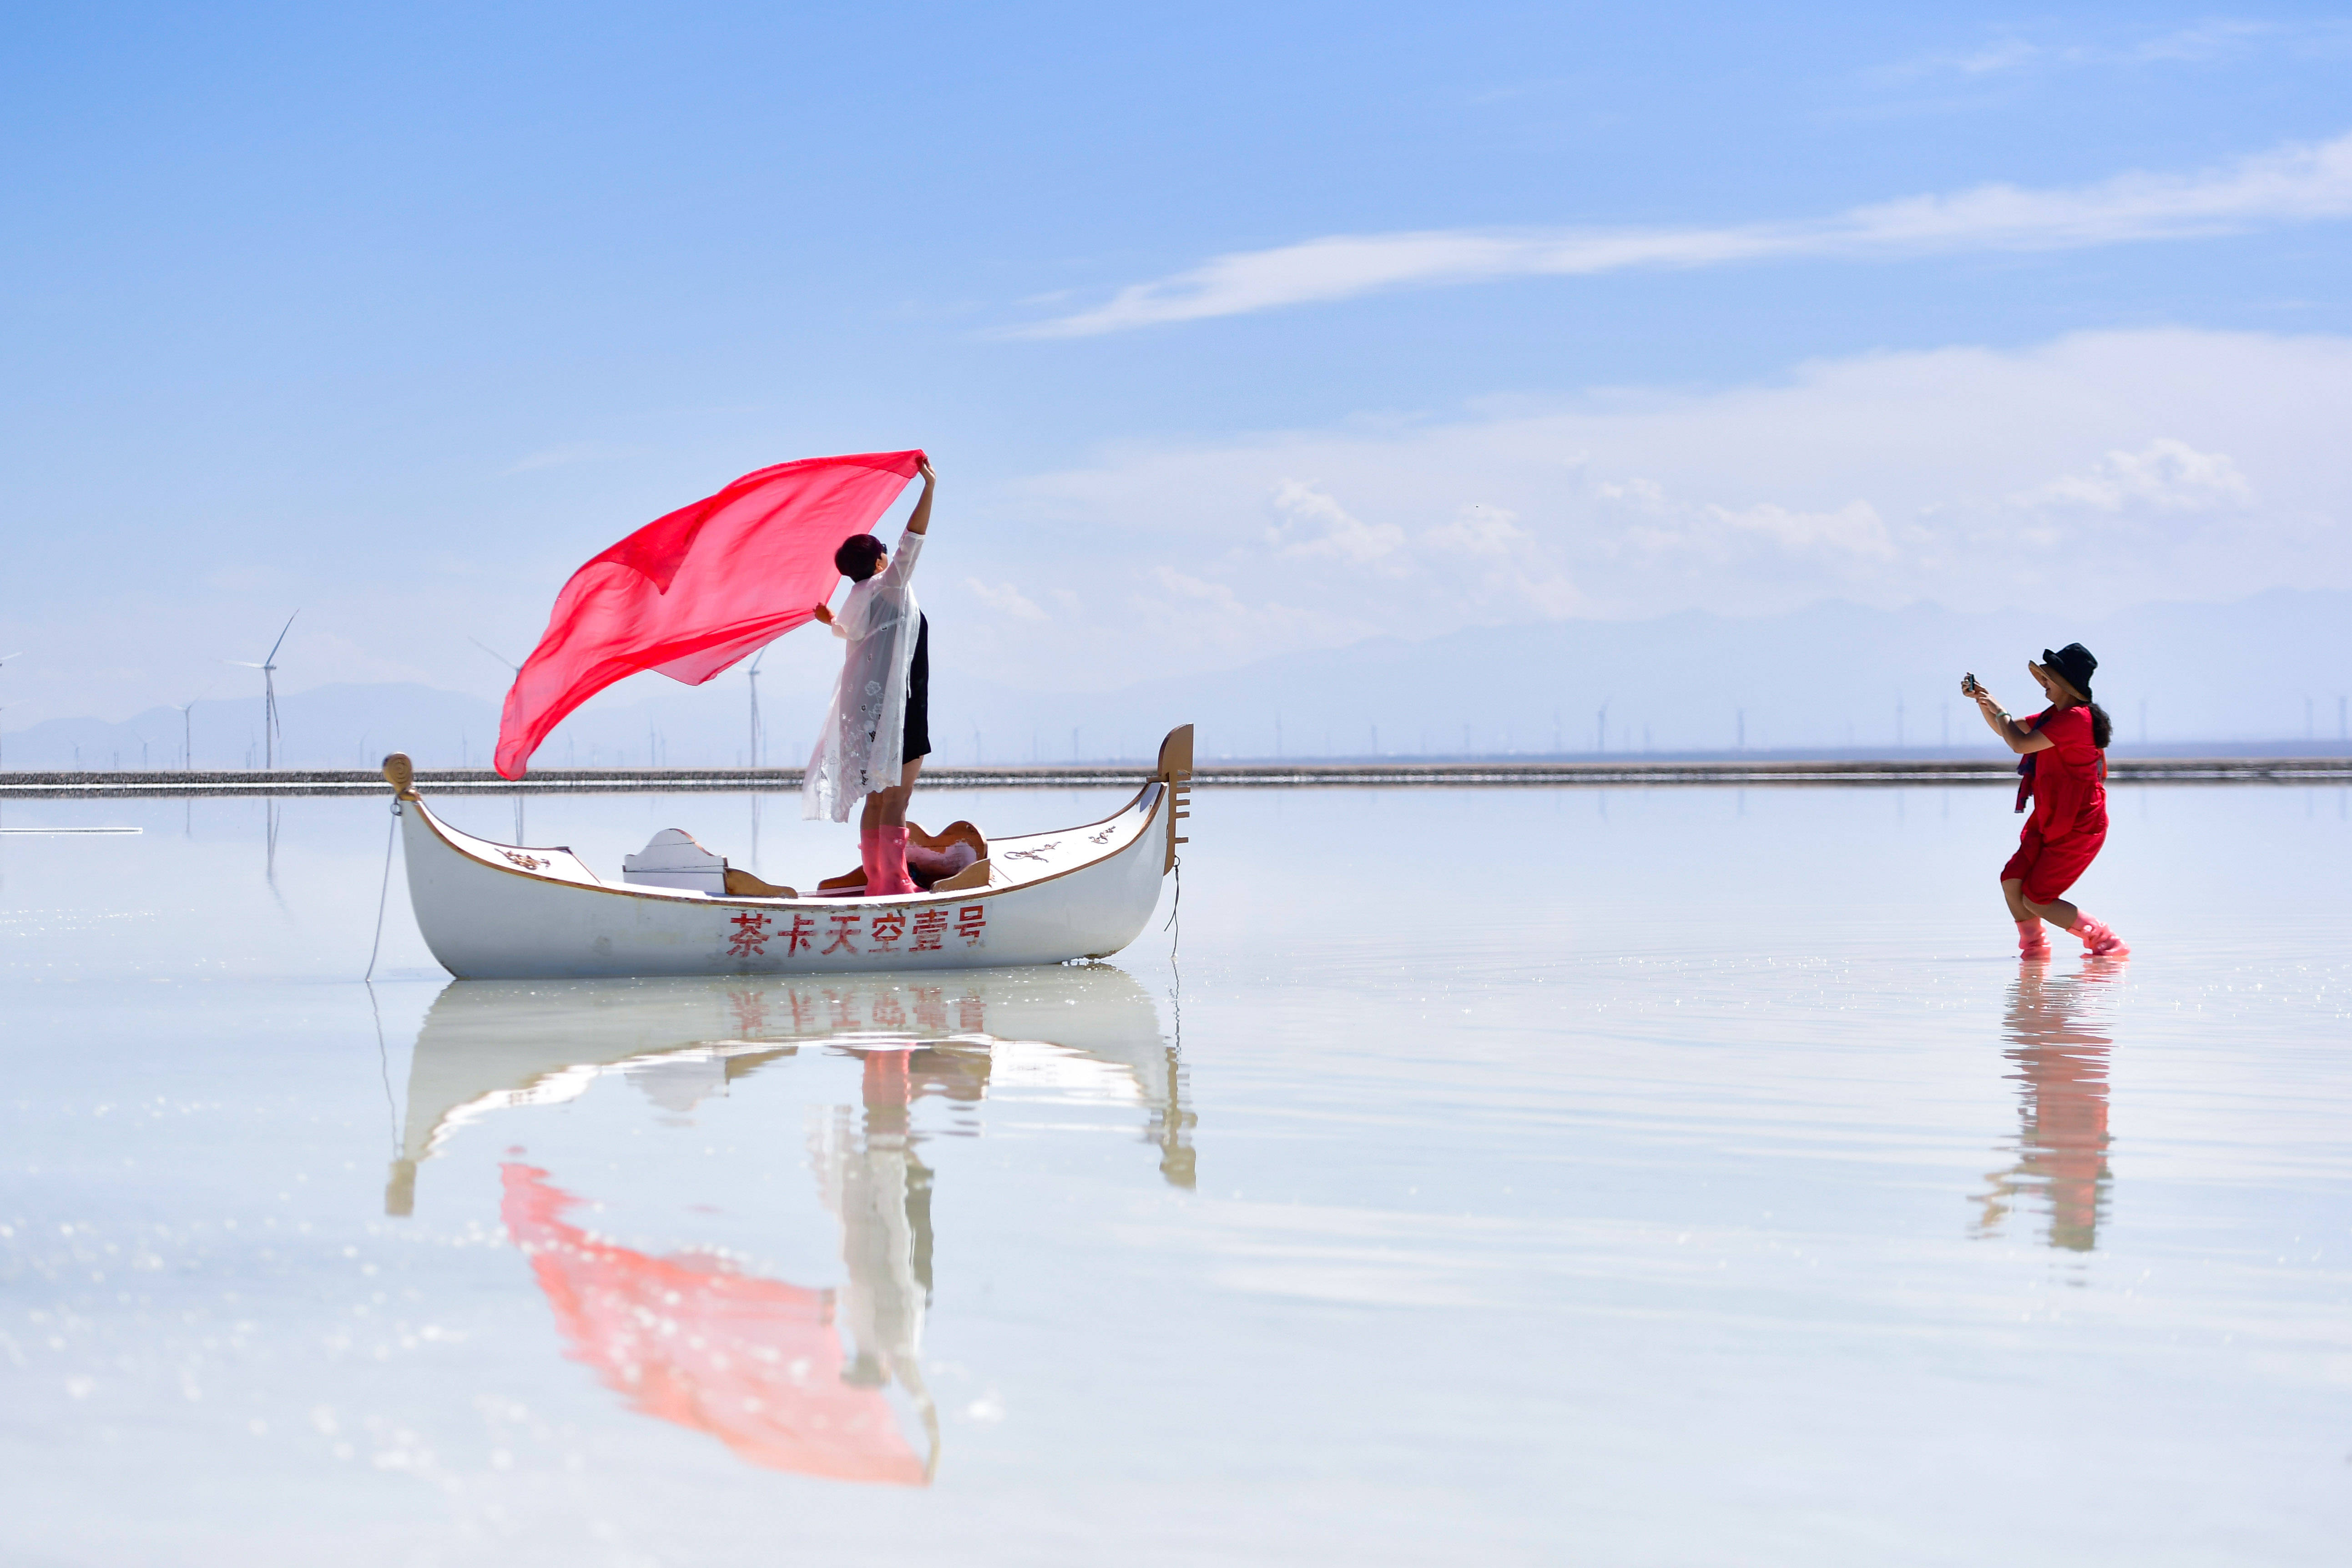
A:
2064, 776
2062, 1136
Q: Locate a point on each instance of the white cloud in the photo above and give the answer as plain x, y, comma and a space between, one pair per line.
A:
2290, 184
2204, 41
2095, 471
1183, 586
1491, 533
1480, 560
2007, 54
1853, 529
2187, 465
1005, 599
2165, 475
2217, 40
1202, 621
1316, 525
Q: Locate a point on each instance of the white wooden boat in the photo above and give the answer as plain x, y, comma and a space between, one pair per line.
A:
512, 911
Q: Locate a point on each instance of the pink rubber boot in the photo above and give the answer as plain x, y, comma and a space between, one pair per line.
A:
2031, 942
870, 849
2099, 941
890, 863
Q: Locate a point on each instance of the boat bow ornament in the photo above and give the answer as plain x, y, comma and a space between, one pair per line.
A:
512, 911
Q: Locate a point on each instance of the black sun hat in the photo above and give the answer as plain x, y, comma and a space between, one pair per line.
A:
2075, 663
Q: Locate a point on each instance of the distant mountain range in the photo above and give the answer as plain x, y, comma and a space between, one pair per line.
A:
2275, 668
2272, 671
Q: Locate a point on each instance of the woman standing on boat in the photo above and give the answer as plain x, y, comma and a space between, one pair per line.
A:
2064, 776
879, 730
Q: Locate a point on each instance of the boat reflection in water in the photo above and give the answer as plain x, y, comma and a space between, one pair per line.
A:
761, 1363
2057, 1031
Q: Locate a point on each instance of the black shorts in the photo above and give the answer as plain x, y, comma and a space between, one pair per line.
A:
918, 697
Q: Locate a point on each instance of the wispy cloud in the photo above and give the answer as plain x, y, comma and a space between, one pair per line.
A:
2167, 476
2205, 41
1315, 526
1005, 599
2103, 468
2290, 184
2221, 39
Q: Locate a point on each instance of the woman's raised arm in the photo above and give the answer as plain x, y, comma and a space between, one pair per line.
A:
2019, 738
920, 523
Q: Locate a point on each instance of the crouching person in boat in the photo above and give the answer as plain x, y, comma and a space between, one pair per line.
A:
878, 731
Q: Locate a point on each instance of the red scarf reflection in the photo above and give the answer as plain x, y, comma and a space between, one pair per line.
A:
754, 1363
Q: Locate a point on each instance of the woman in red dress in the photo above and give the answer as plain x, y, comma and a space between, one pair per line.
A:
2064, 776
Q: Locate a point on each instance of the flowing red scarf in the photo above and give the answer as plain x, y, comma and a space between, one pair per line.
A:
690, 594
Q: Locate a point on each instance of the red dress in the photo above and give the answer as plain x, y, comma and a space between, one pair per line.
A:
2067, 784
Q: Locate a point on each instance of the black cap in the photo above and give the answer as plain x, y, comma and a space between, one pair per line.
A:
2074, 662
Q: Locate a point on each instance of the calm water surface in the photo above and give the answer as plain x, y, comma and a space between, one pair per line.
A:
1672, 1177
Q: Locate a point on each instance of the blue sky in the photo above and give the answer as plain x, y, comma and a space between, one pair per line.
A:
398, 317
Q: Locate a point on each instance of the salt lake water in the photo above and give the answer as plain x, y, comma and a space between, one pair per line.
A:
1668, 1178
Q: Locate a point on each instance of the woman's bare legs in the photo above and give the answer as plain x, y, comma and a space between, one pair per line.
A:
2057, 911
894, 810
887, 807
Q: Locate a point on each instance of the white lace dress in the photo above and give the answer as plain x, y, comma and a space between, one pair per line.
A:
858, 752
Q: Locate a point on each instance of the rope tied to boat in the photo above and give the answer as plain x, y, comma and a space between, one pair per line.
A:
382, 892
1175, 970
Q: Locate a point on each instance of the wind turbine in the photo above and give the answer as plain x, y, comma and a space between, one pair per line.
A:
755, 707
496, 654
187, 750
269, 667
754, 755
19, 654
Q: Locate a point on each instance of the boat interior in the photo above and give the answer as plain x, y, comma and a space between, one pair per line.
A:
675, 864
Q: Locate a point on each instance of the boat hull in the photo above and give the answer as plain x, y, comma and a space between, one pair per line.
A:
492, 912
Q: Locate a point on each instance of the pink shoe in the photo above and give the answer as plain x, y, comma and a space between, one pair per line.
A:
890, 864
2031, 942
869, 848
2099, 941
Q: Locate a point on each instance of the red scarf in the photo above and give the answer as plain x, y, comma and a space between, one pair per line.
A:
690, 594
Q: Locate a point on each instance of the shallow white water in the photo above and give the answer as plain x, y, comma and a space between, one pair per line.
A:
1667, 1177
